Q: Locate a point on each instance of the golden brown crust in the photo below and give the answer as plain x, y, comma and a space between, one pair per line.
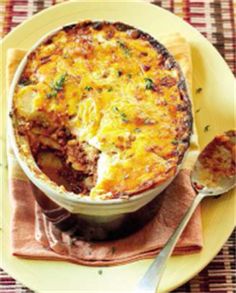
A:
127, 39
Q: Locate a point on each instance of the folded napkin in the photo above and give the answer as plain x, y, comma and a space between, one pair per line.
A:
34, 237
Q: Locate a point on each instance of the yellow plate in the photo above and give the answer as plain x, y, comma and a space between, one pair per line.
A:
216, 103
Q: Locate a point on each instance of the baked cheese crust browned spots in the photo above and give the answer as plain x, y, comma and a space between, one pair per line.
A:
110, 103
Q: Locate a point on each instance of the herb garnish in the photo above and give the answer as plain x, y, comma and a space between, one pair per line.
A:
123, 116
206, 128
100, 272
149, 84
88, 88
115, 109
174, 142
198, 90
52, 94
137, 130
198, 110
124, 47
57, 86
110, 89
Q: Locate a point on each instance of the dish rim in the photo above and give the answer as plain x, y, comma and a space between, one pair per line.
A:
40, 176
207, 254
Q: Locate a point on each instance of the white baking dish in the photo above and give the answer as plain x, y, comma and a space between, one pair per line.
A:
94, 209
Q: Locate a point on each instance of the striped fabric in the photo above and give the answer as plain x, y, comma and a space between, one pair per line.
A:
218, 277
215, 19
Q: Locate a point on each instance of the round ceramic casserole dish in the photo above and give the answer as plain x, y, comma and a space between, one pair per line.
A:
93, 210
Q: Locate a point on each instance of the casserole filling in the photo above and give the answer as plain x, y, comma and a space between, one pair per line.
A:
217, 162
104, 109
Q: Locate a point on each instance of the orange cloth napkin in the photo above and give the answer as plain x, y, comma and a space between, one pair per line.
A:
35, 238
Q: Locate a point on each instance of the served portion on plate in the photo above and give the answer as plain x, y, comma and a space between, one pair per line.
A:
104, 110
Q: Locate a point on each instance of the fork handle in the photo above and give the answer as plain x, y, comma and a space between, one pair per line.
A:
151, 280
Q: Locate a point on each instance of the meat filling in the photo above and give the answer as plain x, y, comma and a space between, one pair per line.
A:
62, 158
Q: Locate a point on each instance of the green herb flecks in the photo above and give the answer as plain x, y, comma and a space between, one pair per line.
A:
110, 89
123, 116
124, 47
174, 141
59, 83
52, 94
100, 272
115, 109
198, 90
137, 130
149, 84
198, 110
57, 86
88, 88
206, 128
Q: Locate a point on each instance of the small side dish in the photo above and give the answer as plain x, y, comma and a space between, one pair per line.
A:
104, 109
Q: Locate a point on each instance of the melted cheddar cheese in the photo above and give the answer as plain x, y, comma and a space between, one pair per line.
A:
116, 90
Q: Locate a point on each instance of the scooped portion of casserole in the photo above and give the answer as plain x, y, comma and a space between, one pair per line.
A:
104, 109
